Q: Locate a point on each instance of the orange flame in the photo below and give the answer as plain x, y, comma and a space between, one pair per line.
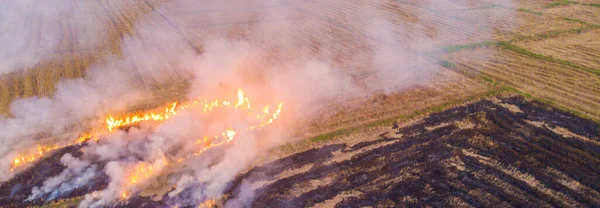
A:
139, 173
23, 159
208, 204
114, 123
143, 171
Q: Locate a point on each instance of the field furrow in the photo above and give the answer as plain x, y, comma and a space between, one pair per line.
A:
566, 85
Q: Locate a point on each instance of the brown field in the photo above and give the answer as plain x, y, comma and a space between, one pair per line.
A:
550, 53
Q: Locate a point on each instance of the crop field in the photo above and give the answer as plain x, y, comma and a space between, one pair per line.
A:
563, 32
508, 114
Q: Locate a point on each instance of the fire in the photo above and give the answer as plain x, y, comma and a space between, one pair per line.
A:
144, 171
141, 172
112, 123
27, 158
242, 103
208, 204
228, 135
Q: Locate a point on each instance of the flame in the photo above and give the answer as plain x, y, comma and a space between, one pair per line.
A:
208, 203
113, 123
143, 171
228, 136
139, 173
22, 159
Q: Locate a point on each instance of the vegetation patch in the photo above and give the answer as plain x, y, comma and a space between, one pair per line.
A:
567, 2
529, 11
447, 64
592, 4
558, 3
454, 48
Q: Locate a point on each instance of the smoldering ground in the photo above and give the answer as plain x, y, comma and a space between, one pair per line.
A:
301, 53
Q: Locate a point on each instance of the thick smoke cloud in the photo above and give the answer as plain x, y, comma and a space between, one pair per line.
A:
301, 53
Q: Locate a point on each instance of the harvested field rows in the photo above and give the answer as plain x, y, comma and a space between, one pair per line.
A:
582, 49
568, 86
532, 24
580, 12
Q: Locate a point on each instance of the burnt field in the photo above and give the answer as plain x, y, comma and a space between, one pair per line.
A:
507, 152
494, 152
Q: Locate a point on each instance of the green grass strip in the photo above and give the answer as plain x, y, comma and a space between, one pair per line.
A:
454, 48
567, 2
558, 3
592, 4
529, 11
447, 64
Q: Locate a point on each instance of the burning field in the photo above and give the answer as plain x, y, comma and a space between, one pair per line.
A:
288, 103
503, 151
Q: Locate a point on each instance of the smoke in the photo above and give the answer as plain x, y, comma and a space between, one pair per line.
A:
77, 175
306, 54
34, 31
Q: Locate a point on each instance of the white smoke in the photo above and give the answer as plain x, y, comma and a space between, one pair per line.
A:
33, 31
77, 174
302, 53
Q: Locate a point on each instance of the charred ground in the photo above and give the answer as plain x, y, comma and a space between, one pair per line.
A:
507, 152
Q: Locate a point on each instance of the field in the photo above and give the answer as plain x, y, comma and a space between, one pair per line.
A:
508, 118
559, 38
505, 151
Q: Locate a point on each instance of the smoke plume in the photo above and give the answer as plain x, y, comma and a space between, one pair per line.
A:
304, 54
